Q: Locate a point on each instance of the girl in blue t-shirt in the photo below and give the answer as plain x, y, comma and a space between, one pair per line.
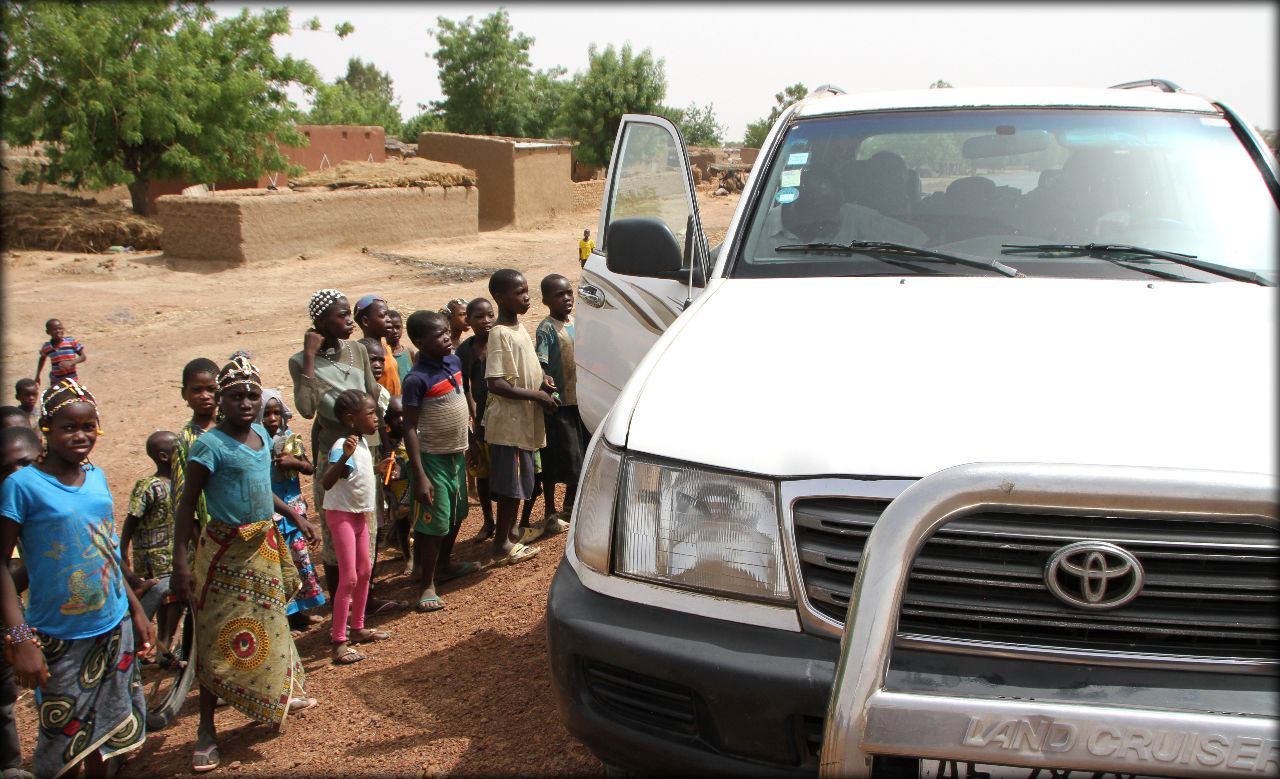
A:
76, 642
244, 653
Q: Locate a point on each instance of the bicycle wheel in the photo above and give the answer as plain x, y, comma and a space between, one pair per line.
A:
167, 683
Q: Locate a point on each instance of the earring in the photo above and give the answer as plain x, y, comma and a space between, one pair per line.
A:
44, 428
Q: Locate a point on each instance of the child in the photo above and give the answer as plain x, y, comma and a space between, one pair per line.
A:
566, 435
371, 314
471, 354
378, 363
513, 422
403, 355
19, 447
27, 392
328, 364
244, 652
456, 312
398, 493
288, 459
83, 628
585, 247
63, 354
146, 541
435, 434
348, 497
199, 388
12, 416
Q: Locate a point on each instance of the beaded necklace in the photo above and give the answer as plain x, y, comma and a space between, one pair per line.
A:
351, 360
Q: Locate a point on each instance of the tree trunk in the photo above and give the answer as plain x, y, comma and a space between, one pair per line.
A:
138, 193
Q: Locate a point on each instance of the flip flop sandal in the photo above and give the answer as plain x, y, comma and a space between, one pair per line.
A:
554, 527
301, 704
528, 535
461, 569
518, 554
389, 606
427, 605
373, 635
205, 760
348, 657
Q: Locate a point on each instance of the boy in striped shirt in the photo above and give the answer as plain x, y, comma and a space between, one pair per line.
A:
436, 416
63, 354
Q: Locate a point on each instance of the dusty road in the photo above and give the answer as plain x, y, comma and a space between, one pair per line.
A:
463, 691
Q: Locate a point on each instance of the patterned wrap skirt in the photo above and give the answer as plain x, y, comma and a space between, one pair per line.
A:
92, 701
244, 652
309, 594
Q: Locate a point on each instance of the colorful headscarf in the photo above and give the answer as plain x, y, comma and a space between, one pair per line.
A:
321, 301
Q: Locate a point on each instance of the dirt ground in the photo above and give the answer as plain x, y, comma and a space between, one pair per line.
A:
463, 691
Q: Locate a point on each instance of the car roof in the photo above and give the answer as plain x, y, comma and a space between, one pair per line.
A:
1149, 99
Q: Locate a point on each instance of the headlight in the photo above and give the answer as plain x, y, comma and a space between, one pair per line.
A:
593, 512
702, 530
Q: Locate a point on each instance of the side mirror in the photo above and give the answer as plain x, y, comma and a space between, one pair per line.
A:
642, 246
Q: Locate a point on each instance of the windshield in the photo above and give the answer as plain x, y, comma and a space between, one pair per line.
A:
970, 182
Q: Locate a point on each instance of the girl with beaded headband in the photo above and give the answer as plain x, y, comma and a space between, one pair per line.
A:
238, 642
83, 628
330, 363
456, 312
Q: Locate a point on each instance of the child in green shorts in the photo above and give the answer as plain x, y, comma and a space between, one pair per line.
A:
435, 436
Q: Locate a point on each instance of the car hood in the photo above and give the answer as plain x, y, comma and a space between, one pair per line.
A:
905, 377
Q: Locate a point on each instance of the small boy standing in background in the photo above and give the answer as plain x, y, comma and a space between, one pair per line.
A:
27, 392
398, 492
513, 419
401, 353
63, 354
566, 435
585, 247
146, 540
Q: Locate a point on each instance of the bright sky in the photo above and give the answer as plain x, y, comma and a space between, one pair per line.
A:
738, 56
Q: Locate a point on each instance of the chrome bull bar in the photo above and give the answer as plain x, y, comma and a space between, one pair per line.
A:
864, 719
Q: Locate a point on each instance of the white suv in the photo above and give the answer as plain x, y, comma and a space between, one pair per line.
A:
914, 281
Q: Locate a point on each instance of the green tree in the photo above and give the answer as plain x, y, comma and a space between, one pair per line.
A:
427, 120
614, 83
130, 92
700, 127
365, 95
551, 91
940, 84
485, 75
758, 130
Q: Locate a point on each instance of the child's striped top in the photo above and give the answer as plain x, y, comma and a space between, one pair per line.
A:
61, 358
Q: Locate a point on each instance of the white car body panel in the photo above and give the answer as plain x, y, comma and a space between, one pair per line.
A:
905, 377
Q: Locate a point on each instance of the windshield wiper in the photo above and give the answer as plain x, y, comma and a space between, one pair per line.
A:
902, 250
1102, 250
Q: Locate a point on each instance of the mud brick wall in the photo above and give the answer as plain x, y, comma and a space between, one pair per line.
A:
492, 161
255, 225
587, 195
543, 186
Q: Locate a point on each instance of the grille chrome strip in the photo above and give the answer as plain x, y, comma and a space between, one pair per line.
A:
824, 564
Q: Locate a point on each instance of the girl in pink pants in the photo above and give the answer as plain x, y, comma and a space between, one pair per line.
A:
349, 491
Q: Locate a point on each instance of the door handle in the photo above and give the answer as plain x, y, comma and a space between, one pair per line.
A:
592, 296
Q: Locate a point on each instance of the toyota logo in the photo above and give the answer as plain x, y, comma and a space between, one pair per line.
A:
1094, 575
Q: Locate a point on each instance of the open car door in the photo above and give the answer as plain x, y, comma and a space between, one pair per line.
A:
651, 260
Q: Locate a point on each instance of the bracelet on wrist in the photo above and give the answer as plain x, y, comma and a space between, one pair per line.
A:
19, 634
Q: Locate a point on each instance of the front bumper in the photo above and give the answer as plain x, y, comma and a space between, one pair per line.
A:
653, 690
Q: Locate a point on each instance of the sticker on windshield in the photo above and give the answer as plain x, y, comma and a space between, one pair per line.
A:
789, 178
798, 158
786, 195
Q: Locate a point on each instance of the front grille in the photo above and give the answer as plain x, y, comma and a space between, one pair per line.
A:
1211, 587
642, 699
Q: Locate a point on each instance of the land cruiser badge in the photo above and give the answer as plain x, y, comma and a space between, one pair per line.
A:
1094, 575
